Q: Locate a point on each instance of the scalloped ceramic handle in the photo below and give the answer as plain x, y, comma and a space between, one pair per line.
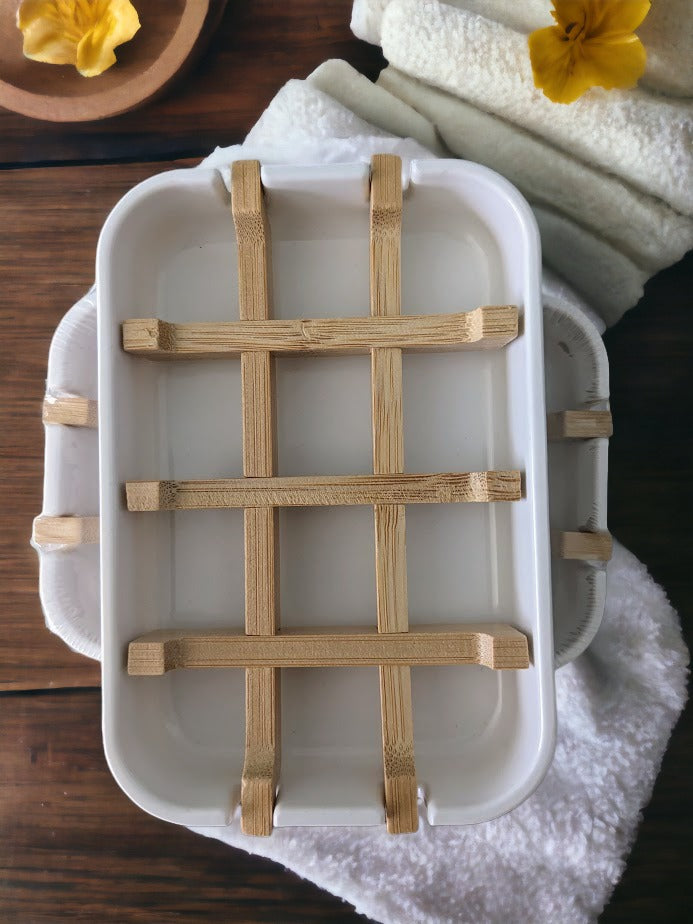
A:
578, 429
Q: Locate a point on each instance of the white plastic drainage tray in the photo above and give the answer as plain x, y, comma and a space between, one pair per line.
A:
175, 743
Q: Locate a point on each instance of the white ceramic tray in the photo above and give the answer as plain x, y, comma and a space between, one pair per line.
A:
576, 373
175, 744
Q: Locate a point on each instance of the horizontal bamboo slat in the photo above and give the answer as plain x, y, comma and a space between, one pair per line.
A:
494, 645
487, 327
324, 490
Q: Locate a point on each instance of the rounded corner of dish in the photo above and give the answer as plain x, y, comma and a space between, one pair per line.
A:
131, 785
148, 190
536, 770
493, 180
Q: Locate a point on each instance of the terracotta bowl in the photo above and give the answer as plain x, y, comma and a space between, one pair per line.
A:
172, 30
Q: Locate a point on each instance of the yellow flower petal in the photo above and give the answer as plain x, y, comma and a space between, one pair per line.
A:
617, 17
125, 22
614, 65
554, 67
30, 10
592, 45
81, 32
45, 40
570, 11
95, 51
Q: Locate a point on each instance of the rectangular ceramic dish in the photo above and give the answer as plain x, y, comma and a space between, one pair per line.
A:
175, 743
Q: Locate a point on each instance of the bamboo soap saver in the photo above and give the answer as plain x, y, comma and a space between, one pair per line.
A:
392, 644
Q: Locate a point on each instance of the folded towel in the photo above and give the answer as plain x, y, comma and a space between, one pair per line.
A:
667, 33
607, 279
612, 237
644, 138
307, 116
643, 227
378, 105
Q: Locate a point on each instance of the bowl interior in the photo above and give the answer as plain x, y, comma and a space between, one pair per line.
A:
170, 31
159, 20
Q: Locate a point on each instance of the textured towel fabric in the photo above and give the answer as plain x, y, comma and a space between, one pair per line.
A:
610, 177
612, 237
380, 105
644, 138
643, 227
667, 33
608, 280
558, 855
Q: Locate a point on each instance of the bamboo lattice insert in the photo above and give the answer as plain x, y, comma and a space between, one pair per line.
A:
391, 643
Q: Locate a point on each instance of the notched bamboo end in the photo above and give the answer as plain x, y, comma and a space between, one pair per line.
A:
494, 325
148, 336
145, 496
498, 486
259, 792
386, 194
64, 532
153, 658
246, 183
247, 204
505, 649
257, 807
582, 545
70, 411
579, 425
401, 804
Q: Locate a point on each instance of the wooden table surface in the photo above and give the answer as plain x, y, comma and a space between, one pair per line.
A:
71, 844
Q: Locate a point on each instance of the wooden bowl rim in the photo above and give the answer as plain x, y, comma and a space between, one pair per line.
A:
118, 99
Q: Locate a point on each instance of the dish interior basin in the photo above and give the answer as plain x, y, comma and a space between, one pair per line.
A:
176, 743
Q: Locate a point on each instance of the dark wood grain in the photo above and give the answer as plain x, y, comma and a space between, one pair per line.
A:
257, 48
71, 845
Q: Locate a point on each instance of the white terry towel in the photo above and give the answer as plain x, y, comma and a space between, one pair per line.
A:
643, 227
605, 237
644, 138
667, 33
604, 276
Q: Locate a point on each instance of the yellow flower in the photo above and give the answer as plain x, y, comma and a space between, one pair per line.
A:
592, 45
79, 32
